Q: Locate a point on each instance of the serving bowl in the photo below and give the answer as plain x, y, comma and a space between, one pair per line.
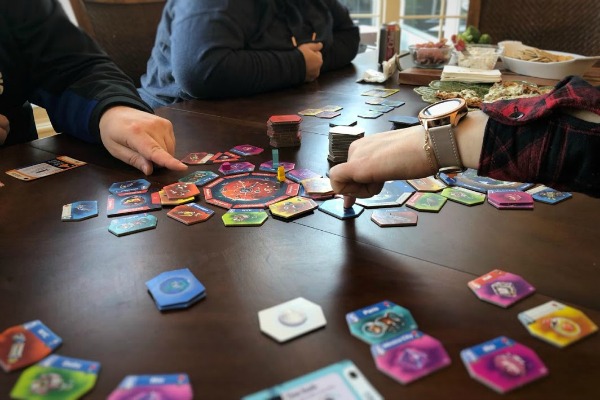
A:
550, 70
425, 56
478, 56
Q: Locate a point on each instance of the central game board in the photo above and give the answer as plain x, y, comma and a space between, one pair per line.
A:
249, 190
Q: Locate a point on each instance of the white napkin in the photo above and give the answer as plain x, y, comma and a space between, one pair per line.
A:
462, 74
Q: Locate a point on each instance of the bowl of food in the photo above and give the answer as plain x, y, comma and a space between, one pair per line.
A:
478, 56
430, 55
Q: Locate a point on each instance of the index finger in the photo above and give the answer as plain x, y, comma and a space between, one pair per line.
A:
152, 151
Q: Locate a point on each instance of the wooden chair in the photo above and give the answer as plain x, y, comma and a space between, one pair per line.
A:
569, 26
125, 29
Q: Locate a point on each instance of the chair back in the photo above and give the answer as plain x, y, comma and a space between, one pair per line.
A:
569, 26
125, 29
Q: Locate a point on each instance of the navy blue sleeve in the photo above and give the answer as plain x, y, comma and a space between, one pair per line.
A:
346, 38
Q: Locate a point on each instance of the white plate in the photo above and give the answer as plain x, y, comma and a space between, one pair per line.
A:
551, 70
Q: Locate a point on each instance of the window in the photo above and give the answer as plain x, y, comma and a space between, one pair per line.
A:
420, 20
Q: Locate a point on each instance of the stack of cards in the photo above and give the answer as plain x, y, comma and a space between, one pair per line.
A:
342, 380
340, 138
171, 386
501, 288
57, 377
175, 289
557, 323
510, 199
503, 364
26, 344
284, 130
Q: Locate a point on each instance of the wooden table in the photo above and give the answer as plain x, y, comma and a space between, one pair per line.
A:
88, 285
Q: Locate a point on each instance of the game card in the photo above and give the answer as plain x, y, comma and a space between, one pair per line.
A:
503, 364
293, 207
291, 319
26, 344
557, 323
463, 196
393, 193
501, 288
268, 166
548, 195
117, 205
342, 381
175, 289
170, 386
197, 158
380, 92
318, 185
327, 114
335, 207
165, 201
132, 224
79, 210
57, 377
244, 217
190, 214
129, 187
299, 174
410, 356
246, 150
470, 180
427, 184
368, 114
380, 322
200, 178
428, 202
158, 387
394, 217
224, 157
181, 190
236, 168
46, 168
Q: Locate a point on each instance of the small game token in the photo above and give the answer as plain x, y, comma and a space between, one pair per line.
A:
291, 319
403, 121
165, 201
246, 150
548, 195
394, 217
57, 377
429, 202
410, 356
380, 92
335, 207
181, 190
281, 173
26, 344
380, 322
427, 184
117, 205
197, 158
327, 114
199, 178
463, 196
470, 180
369, 114
501, 288
393, 193
275, 158
175, 289
503, 364
557, 323
132, 224
244, 217
299, 174
171, 386
269, 166
293, 207
510, 199
129, 187
342, 380
190, 214
236, 168
79, 210
380, 108
319, 185
224, 157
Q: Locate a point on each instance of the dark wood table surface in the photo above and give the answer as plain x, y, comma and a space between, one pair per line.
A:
87, 285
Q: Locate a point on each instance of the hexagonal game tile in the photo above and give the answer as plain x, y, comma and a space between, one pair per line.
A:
291, 319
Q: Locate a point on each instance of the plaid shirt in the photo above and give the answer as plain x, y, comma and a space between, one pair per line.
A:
534, 140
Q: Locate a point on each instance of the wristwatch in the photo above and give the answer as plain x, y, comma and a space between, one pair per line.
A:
439, 120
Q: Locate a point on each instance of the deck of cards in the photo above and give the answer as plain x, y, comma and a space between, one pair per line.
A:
340, 139
284, 130
175, 289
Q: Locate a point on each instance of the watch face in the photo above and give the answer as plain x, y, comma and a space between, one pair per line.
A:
442, 108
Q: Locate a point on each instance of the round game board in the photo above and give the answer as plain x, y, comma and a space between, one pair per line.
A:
249, 190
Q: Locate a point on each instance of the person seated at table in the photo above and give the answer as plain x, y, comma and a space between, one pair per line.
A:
218, 49
553, 139
48, 61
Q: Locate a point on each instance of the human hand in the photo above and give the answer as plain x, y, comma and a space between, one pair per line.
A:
377, 158
313, 59
4, 128
139, 138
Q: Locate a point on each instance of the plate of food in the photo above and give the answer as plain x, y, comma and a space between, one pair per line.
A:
548, 64
475, 94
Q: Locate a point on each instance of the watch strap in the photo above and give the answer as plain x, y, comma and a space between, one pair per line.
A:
443, 143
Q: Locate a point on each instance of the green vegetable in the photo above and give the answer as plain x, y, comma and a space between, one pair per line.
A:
485, 39
474, 33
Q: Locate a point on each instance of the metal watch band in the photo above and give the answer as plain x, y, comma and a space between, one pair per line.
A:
445, 148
